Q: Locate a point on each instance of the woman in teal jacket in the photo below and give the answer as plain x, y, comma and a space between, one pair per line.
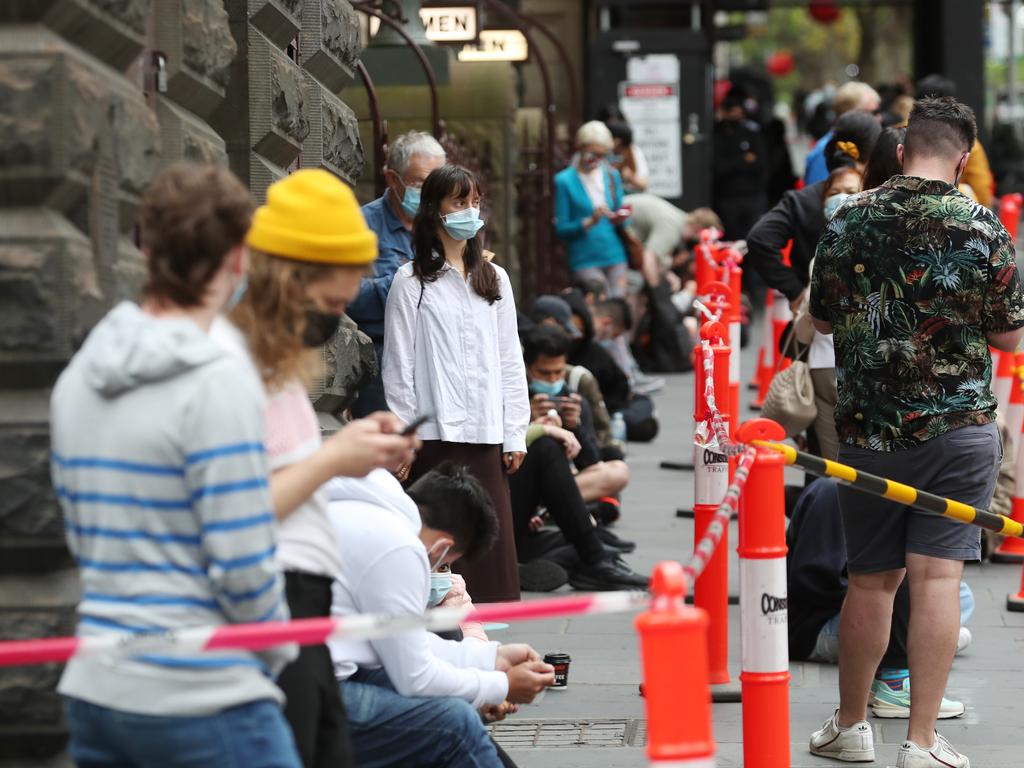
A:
588, 196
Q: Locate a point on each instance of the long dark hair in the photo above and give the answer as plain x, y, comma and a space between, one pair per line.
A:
446, 181
883, 164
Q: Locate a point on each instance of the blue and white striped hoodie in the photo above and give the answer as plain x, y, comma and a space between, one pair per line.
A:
159, 466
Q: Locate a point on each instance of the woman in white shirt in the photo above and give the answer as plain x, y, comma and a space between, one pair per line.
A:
451, 352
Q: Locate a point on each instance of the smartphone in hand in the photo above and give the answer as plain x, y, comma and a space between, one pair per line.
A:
415, 424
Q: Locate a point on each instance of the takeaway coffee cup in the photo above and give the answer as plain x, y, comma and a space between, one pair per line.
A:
560, 661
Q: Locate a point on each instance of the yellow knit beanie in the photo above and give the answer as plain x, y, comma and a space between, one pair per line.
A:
312, 215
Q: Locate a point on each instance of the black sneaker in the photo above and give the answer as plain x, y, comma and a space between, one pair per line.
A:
606, 576
541, 576
610, 540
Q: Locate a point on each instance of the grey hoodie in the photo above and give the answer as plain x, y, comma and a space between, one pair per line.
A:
159, 466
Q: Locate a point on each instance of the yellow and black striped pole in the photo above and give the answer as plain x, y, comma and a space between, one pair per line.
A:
898, 492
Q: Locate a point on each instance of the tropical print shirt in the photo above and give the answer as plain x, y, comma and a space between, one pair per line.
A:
912, 275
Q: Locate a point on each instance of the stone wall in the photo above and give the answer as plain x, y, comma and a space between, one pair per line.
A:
95, 97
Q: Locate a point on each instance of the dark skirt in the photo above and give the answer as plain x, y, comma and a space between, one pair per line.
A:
494, 575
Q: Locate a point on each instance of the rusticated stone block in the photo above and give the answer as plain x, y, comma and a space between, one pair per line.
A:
57, 106
186, 137
262, 174
334, 140
130, 271
31, 526
112, 30
279, 20
49, 289
196, 37
278, 123
330, 42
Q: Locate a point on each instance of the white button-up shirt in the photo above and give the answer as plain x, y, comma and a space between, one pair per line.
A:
456, 357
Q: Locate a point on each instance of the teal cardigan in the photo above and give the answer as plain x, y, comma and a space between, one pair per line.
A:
599, 246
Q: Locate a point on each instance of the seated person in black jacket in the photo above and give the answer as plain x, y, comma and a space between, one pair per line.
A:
545, 348
816, 573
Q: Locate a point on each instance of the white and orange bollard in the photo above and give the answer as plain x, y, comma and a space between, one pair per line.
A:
781, 315
710, 483
1002, 375
1015, 409
673, 644
763, 604
733, 276
1011, 549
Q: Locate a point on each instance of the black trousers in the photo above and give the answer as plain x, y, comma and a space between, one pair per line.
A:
314, 708
545, 479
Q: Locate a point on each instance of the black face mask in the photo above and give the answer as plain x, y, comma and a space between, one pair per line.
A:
320, 327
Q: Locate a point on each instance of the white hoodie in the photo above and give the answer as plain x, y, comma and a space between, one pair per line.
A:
385, 570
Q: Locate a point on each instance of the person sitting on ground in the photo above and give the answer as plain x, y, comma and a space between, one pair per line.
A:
592, 290
415, 699
816, 575
577, 550
544, 350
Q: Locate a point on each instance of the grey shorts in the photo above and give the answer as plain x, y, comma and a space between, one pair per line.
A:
960, 465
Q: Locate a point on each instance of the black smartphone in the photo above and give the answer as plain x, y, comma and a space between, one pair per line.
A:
416, 423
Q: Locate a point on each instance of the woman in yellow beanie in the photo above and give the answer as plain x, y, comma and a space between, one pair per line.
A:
309, 249
451, 350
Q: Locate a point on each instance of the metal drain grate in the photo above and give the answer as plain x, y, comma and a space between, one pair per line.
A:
547, 734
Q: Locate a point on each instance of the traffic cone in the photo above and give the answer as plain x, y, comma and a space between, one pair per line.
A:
1009, 213
677, 698
1011, 550
705, 263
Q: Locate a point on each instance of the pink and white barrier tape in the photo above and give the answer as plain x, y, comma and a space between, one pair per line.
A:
709, 542
254, 637
725, 445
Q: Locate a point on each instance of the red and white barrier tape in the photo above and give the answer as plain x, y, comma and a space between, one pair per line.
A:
705, 548
725, 445
254, 637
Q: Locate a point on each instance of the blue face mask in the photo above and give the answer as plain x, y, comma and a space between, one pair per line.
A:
236, 295
411, 201
463, 225
440, 586
833, 203
549, 388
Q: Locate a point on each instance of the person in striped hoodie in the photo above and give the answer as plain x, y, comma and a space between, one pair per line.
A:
160, 469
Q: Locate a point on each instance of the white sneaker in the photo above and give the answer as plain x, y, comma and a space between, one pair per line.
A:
941, 755
855, 744
887, 703
963, 640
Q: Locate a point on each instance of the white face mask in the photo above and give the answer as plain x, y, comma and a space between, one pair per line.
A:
440, 586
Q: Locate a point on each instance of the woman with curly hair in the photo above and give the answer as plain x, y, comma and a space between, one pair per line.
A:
309, 248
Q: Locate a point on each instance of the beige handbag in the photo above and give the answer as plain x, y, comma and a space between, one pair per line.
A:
790, 398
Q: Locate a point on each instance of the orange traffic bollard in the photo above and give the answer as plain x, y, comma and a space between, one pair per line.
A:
1002, 366
1011, 549
710, 483
763, 603
780, 316
673, 643
705, 267
732, 274
1015, 409
1009, 214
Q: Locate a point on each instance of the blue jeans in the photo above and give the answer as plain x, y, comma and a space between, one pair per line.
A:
389, 729
826, 649
252, 735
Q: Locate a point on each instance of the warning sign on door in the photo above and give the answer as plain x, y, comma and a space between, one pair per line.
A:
652, 110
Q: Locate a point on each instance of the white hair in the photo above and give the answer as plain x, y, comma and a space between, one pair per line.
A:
401, 152
594, 132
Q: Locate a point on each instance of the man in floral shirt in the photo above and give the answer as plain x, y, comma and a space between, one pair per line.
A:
915, 281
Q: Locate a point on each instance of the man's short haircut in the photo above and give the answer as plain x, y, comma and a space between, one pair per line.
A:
191, 216
402, 150
940, 127
704, 218
451, 500
932, 86
851, 96
617, 309
591, 286
545, 340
